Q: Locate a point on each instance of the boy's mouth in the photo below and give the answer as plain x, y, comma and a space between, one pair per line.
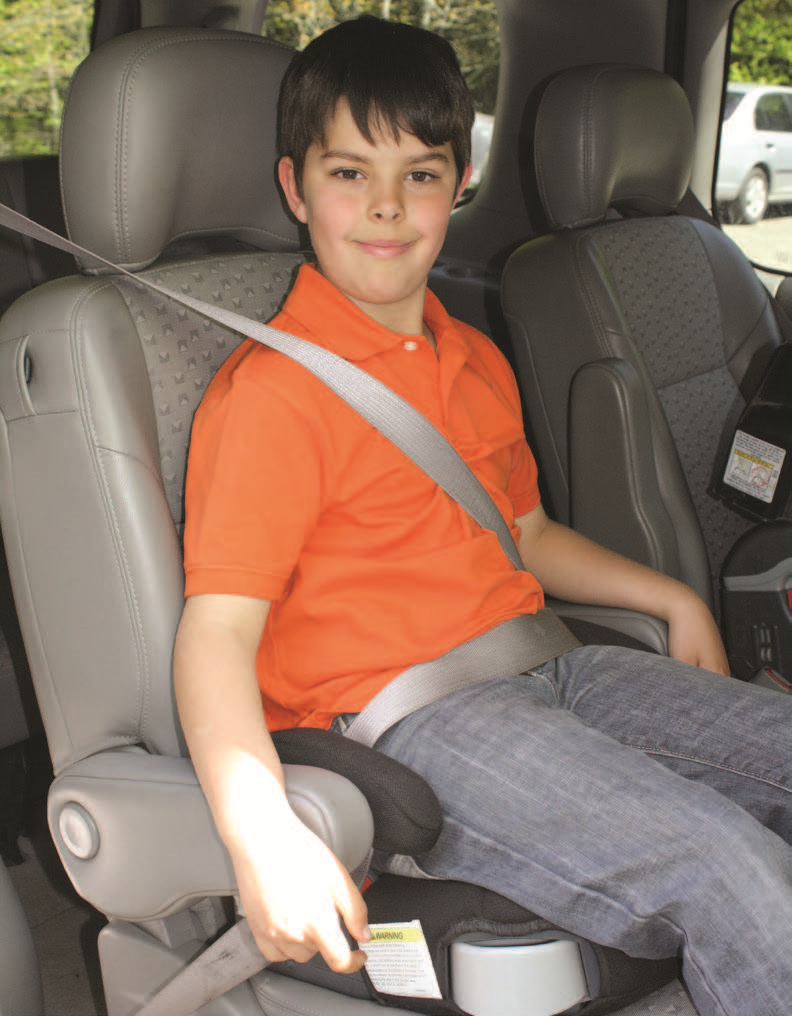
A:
384, 248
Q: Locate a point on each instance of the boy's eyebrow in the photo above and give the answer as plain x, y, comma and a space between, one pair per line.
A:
430, 155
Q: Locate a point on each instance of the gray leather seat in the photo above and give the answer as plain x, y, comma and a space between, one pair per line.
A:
635, 328
99, 383
167, 155
20, 979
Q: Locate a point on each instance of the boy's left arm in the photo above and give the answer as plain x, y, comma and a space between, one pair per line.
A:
570, 567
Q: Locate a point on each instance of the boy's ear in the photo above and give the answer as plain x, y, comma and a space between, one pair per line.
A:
291, 189
464, 181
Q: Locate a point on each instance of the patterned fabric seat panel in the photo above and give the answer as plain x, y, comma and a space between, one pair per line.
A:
667, 294
183, 350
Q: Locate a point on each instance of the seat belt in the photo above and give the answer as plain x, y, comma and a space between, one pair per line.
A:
395, 418
510, 648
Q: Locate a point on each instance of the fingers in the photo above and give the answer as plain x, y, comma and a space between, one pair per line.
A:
352, 908
336, 951
326, 936
295, 893
309, 921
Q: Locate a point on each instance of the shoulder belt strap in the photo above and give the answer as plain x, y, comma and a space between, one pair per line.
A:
392, 415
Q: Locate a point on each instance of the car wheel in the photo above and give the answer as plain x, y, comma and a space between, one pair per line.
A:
751, 203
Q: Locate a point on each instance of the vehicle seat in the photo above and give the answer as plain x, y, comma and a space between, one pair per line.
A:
167, 169
20, 978
99, 383
636, 329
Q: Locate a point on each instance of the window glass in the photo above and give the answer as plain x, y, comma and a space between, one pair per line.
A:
771, 113
471, 26
42, 43
753, 189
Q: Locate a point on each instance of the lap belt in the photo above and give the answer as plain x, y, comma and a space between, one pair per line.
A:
509, 648
513, 647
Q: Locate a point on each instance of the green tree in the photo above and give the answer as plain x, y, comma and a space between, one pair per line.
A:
41, 42
471, 26
761, 48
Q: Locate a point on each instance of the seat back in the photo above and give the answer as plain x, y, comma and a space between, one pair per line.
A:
635, 329
167, 155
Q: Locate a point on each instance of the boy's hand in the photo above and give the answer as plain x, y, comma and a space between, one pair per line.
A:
571, 567
293, 891
693, 636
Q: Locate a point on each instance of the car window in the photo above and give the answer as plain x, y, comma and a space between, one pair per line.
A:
772, 113
753, 186
42, 43
732, 101
471, 27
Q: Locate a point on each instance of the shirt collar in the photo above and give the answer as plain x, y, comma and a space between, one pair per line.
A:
317, 304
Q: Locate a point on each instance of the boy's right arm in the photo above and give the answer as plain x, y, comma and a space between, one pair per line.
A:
291, 886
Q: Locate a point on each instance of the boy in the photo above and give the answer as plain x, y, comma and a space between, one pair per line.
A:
321, 563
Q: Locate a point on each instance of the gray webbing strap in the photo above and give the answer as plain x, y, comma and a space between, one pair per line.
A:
229, 961
392, 416
513, 647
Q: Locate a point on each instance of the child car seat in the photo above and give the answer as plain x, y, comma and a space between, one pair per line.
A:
168, 160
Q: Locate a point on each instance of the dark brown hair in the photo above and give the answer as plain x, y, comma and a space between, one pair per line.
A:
394, 77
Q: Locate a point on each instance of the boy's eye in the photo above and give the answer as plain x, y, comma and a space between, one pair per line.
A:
347, 174
421, 176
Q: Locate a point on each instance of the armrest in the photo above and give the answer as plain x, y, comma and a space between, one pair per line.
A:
407, 814
137, 839
650, 631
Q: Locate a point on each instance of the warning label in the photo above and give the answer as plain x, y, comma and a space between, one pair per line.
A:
399, 962
754, 466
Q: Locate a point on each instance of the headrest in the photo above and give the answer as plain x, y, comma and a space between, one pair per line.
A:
169, 133
610, 136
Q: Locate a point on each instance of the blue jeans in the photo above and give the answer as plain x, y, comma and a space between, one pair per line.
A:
631, 799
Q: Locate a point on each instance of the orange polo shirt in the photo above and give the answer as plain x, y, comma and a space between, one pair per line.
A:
294, 498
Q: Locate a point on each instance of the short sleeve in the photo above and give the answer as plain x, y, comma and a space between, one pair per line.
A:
524, 482
253, 483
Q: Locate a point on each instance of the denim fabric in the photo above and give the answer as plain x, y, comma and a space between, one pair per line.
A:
632, 799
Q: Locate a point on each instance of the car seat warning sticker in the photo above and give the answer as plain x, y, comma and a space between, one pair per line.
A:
754, 466
399, 962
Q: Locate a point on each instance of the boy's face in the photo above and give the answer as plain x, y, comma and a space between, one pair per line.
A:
377, 215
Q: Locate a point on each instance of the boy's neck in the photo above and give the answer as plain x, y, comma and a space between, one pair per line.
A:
404, 318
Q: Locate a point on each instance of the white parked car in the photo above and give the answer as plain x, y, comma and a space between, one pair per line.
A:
755, 163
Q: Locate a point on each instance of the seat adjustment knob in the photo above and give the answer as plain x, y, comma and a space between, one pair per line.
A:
78, 831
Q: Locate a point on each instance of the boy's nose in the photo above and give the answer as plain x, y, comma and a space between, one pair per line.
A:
386, 205
388, 214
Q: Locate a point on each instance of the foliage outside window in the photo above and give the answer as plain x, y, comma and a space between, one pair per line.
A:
41, 42
471, 26
761, 46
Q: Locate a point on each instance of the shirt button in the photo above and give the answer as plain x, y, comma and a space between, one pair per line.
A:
410, 345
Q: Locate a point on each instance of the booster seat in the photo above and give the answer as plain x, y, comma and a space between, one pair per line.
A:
168, 157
